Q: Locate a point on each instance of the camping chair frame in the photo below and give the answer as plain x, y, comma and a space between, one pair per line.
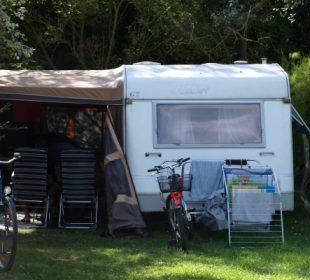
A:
78, 190
30, 187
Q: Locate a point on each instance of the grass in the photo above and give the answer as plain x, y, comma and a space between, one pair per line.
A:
83, 254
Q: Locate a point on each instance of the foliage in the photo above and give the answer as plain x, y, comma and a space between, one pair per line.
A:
168, 31
5, 125
74, 33
96, 34
236, 22
300, 86
13, 51
300, 92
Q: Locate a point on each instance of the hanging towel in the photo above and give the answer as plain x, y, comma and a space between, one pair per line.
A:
252, 205
207, 180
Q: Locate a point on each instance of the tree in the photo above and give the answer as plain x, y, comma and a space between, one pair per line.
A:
168, 32
300, 86
13, 51
5, 125
242, 24
96, 34
75, 34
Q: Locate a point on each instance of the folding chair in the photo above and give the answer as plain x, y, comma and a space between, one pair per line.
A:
30, 184
78, 203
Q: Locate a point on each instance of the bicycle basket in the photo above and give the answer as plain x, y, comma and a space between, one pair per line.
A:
164, 183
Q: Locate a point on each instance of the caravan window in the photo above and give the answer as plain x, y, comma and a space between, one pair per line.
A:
208, 124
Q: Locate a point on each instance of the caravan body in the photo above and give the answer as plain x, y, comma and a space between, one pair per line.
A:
206, 112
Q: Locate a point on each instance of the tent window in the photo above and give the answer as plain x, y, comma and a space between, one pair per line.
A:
208, 124
87, 125
57, 122
88, 128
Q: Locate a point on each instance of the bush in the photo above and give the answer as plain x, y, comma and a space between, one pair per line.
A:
300, 88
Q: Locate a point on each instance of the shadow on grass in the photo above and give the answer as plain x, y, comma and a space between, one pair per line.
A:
84, 254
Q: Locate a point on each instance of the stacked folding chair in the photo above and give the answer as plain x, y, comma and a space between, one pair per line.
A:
30, 184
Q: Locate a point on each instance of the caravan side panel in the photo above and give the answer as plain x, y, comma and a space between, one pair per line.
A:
139, 141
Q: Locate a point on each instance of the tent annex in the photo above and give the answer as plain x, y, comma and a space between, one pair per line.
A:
84, 89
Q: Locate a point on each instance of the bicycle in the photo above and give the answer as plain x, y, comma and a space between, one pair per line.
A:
8, 224
180, 220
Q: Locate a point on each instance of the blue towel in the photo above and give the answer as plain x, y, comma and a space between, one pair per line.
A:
207, 180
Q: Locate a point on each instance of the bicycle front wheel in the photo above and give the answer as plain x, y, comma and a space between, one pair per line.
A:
181, 230
176, 223
8, 233
188, 222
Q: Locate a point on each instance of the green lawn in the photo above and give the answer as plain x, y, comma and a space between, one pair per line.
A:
83, 254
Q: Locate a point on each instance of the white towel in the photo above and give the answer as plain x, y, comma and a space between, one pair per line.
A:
252, 205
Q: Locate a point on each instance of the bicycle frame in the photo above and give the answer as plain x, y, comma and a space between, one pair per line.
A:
179, 219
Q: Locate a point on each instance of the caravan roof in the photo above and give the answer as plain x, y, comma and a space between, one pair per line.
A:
146, 81
206, 81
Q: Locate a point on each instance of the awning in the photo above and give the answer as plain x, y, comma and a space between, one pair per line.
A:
299, 122
64, 86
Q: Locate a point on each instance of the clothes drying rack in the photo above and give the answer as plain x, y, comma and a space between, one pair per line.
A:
254, 206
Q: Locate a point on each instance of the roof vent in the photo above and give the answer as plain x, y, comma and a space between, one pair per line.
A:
241, 62
264, 60
146, 63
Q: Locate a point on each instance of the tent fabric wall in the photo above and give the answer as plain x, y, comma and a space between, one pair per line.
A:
123, 209
86, 87
65, 86
24, 112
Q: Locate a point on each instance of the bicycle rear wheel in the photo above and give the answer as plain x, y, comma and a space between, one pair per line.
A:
8, 233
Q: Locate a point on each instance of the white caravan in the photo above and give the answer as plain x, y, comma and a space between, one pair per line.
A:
205, 112
208, 111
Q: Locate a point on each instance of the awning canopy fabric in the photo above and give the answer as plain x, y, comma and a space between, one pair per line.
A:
65, 86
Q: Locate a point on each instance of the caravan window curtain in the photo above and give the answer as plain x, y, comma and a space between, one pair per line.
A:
208, 124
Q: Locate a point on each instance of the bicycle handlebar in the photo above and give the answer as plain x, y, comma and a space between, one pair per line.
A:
15, 157
182, 160
152, 170
177, 162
